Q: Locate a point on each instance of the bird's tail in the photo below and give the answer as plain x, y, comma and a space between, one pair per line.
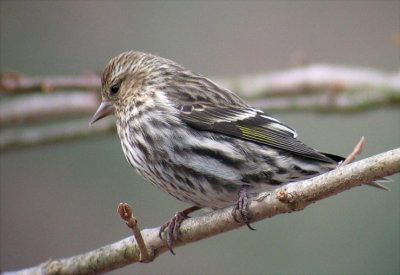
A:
378, 185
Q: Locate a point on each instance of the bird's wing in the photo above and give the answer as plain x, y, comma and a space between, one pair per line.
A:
249, 124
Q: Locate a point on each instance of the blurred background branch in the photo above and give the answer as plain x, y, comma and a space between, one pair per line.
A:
39, 110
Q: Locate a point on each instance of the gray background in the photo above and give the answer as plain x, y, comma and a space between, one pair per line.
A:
59, 200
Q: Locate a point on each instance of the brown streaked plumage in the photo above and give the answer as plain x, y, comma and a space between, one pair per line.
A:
197, 140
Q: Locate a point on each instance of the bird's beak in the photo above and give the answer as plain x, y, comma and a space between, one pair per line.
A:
105, 109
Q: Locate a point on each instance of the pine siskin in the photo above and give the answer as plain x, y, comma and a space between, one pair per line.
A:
197, 140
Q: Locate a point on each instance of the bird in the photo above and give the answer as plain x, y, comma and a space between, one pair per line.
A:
199, 141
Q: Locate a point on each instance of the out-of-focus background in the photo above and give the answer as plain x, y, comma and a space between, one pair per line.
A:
60, 200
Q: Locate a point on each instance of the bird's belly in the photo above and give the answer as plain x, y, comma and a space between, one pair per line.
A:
191, 188
192, 171
208, 171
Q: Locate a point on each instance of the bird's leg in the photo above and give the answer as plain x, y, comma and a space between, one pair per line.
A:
172, 227
241, 207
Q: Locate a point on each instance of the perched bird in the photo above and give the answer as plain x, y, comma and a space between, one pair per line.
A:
198, 141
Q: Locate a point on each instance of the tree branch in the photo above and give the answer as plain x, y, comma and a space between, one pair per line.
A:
289, 198
314, 79
14, 83
42, 107
11, 138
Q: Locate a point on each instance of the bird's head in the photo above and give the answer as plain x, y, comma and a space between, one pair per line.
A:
131, 77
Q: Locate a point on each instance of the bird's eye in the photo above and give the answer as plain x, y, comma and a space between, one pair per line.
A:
114, 89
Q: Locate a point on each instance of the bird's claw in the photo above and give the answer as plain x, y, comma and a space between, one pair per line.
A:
241, 208
171, 229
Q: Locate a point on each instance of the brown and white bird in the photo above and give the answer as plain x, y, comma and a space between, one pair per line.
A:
198, 141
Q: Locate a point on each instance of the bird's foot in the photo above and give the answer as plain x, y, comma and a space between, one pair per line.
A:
241, 208
171, 229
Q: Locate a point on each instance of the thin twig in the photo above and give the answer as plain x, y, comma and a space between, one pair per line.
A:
356, 152
126, 213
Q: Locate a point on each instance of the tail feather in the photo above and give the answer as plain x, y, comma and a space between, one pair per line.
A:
380, 186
